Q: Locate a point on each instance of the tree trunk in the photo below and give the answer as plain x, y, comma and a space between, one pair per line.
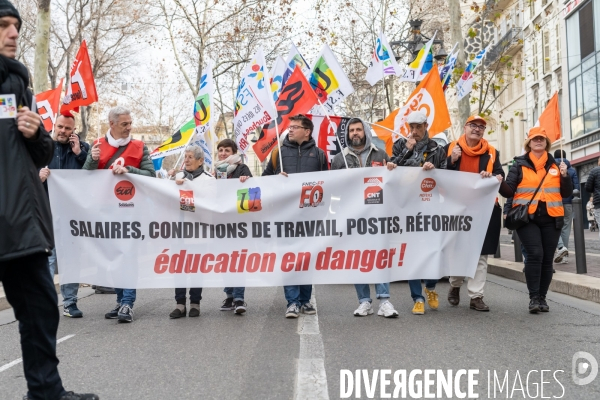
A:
464, 106
85, 123
42, 42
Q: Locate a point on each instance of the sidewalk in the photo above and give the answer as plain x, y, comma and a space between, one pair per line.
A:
565, 280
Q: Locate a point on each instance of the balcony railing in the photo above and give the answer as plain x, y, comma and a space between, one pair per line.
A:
512, 37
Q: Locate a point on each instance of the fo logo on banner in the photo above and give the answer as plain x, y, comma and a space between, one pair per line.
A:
124, 190
373, 191
427, 185
248, 200
311, 194
186, 200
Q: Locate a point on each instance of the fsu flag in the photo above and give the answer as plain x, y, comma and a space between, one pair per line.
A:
427, 97
81, 90
47, 104
296, 97
329, 81
550, 119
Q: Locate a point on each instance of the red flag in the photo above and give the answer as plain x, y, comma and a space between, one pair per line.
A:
297, 97
550, 119
326, 138
47, 104
81, 90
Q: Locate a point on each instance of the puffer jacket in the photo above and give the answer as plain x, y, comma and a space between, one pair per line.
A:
306, 157
592, 185
574, 178
25, 219
375, 158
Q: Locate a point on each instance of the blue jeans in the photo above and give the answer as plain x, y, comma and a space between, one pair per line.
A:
68, 291
416, 290
126, 296
382, 291
237, 293
297, 294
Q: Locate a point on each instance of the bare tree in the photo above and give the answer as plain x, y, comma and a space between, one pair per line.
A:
40, 77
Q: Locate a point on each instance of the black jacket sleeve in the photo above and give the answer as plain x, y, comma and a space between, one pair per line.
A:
504, 189
40, 147
324, 161
589, 184
509, 186
566, 186
449, 165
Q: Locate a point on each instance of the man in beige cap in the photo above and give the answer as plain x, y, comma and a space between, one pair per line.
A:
418, 150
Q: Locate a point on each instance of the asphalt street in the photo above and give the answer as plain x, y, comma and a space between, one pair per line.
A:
262, 355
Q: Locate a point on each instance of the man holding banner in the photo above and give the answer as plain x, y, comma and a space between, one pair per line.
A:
299, 153
419, 150
360, 153
119, 152
472, 153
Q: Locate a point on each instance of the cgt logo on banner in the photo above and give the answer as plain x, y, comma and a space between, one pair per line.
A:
374, 190
248, 200
311, 194
186, 200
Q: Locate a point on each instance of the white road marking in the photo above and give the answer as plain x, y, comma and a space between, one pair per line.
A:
20, 360
586, 253
311, 379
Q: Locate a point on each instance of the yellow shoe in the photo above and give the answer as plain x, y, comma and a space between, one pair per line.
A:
419, 308
432, 299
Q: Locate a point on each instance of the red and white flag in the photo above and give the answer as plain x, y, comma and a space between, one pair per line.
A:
47, 104
81, 90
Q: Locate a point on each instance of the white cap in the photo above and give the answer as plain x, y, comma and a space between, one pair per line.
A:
416, 117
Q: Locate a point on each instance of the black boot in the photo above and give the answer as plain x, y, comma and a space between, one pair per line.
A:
534, 305
544, 307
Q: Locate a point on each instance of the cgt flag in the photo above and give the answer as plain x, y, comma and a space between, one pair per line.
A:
328, 140
254, 104
329, 81
427, 97
81, 90
297, 97
177, 142
550, 119
47, 104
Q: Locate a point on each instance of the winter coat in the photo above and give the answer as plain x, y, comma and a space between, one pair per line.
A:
240, 170
492, 236
64, 158
593, 185
375, 158
304, 158
574, 178
25, 219
435, 153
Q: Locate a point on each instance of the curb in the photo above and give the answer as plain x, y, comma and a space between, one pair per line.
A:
580, 286
4, 303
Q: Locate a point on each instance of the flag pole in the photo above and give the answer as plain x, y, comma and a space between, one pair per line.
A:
183, 150
278, 146
334, 131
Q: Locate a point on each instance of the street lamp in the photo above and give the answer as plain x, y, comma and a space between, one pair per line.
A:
418, 41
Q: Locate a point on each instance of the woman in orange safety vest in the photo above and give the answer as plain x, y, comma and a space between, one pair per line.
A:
540, 235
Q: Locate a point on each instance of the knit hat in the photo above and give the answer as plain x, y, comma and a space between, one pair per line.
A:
8, 10
535, 132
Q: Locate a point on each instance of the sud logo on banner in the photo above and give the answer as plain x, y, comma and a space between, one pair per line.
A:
427, 97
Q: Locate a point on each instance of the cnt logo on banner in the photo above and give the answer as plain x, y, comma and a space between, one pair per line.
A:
319, 227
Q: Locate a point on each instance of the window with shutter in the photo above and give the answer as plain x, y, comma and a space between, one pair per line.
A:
546, 52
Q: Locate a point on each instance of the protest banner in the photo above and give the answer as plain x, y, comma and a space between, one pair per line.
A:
364, 225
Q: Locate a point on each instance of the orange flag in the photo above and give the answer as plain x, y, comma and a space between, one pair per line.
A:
47, 104
427, 97
550, 119
81, 90
296, 97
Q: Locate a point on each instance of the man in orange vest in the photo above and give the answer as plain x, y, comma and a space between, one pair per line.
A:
472, 153
119, 152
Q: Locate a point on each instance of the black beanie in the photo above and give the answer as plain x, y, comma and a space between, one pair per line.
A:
8, 10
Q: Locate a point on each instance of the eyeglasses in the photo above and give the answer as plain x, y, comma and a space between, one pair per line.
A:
538, 139
475, 126
296, 127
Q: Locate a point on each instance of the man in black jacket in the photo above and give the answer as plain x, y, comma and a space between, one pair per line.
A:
25, 221
299, 153
592, 185
69, 153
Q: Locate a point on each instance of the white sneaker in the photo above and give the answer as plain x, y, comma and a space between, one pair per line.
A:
386, 309
363, 309
565, 260
560, 254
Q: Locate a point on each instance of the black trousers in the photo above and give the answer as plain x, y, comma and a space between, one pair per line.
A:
30, 291
539, 237
195, 295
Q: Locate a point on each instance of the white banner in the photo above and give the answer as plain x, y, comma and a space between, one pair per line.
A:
366, 225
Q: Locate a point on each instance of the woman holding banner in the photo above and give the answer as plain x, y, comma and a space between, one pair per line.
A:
230, 166
538, 186
193, 163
